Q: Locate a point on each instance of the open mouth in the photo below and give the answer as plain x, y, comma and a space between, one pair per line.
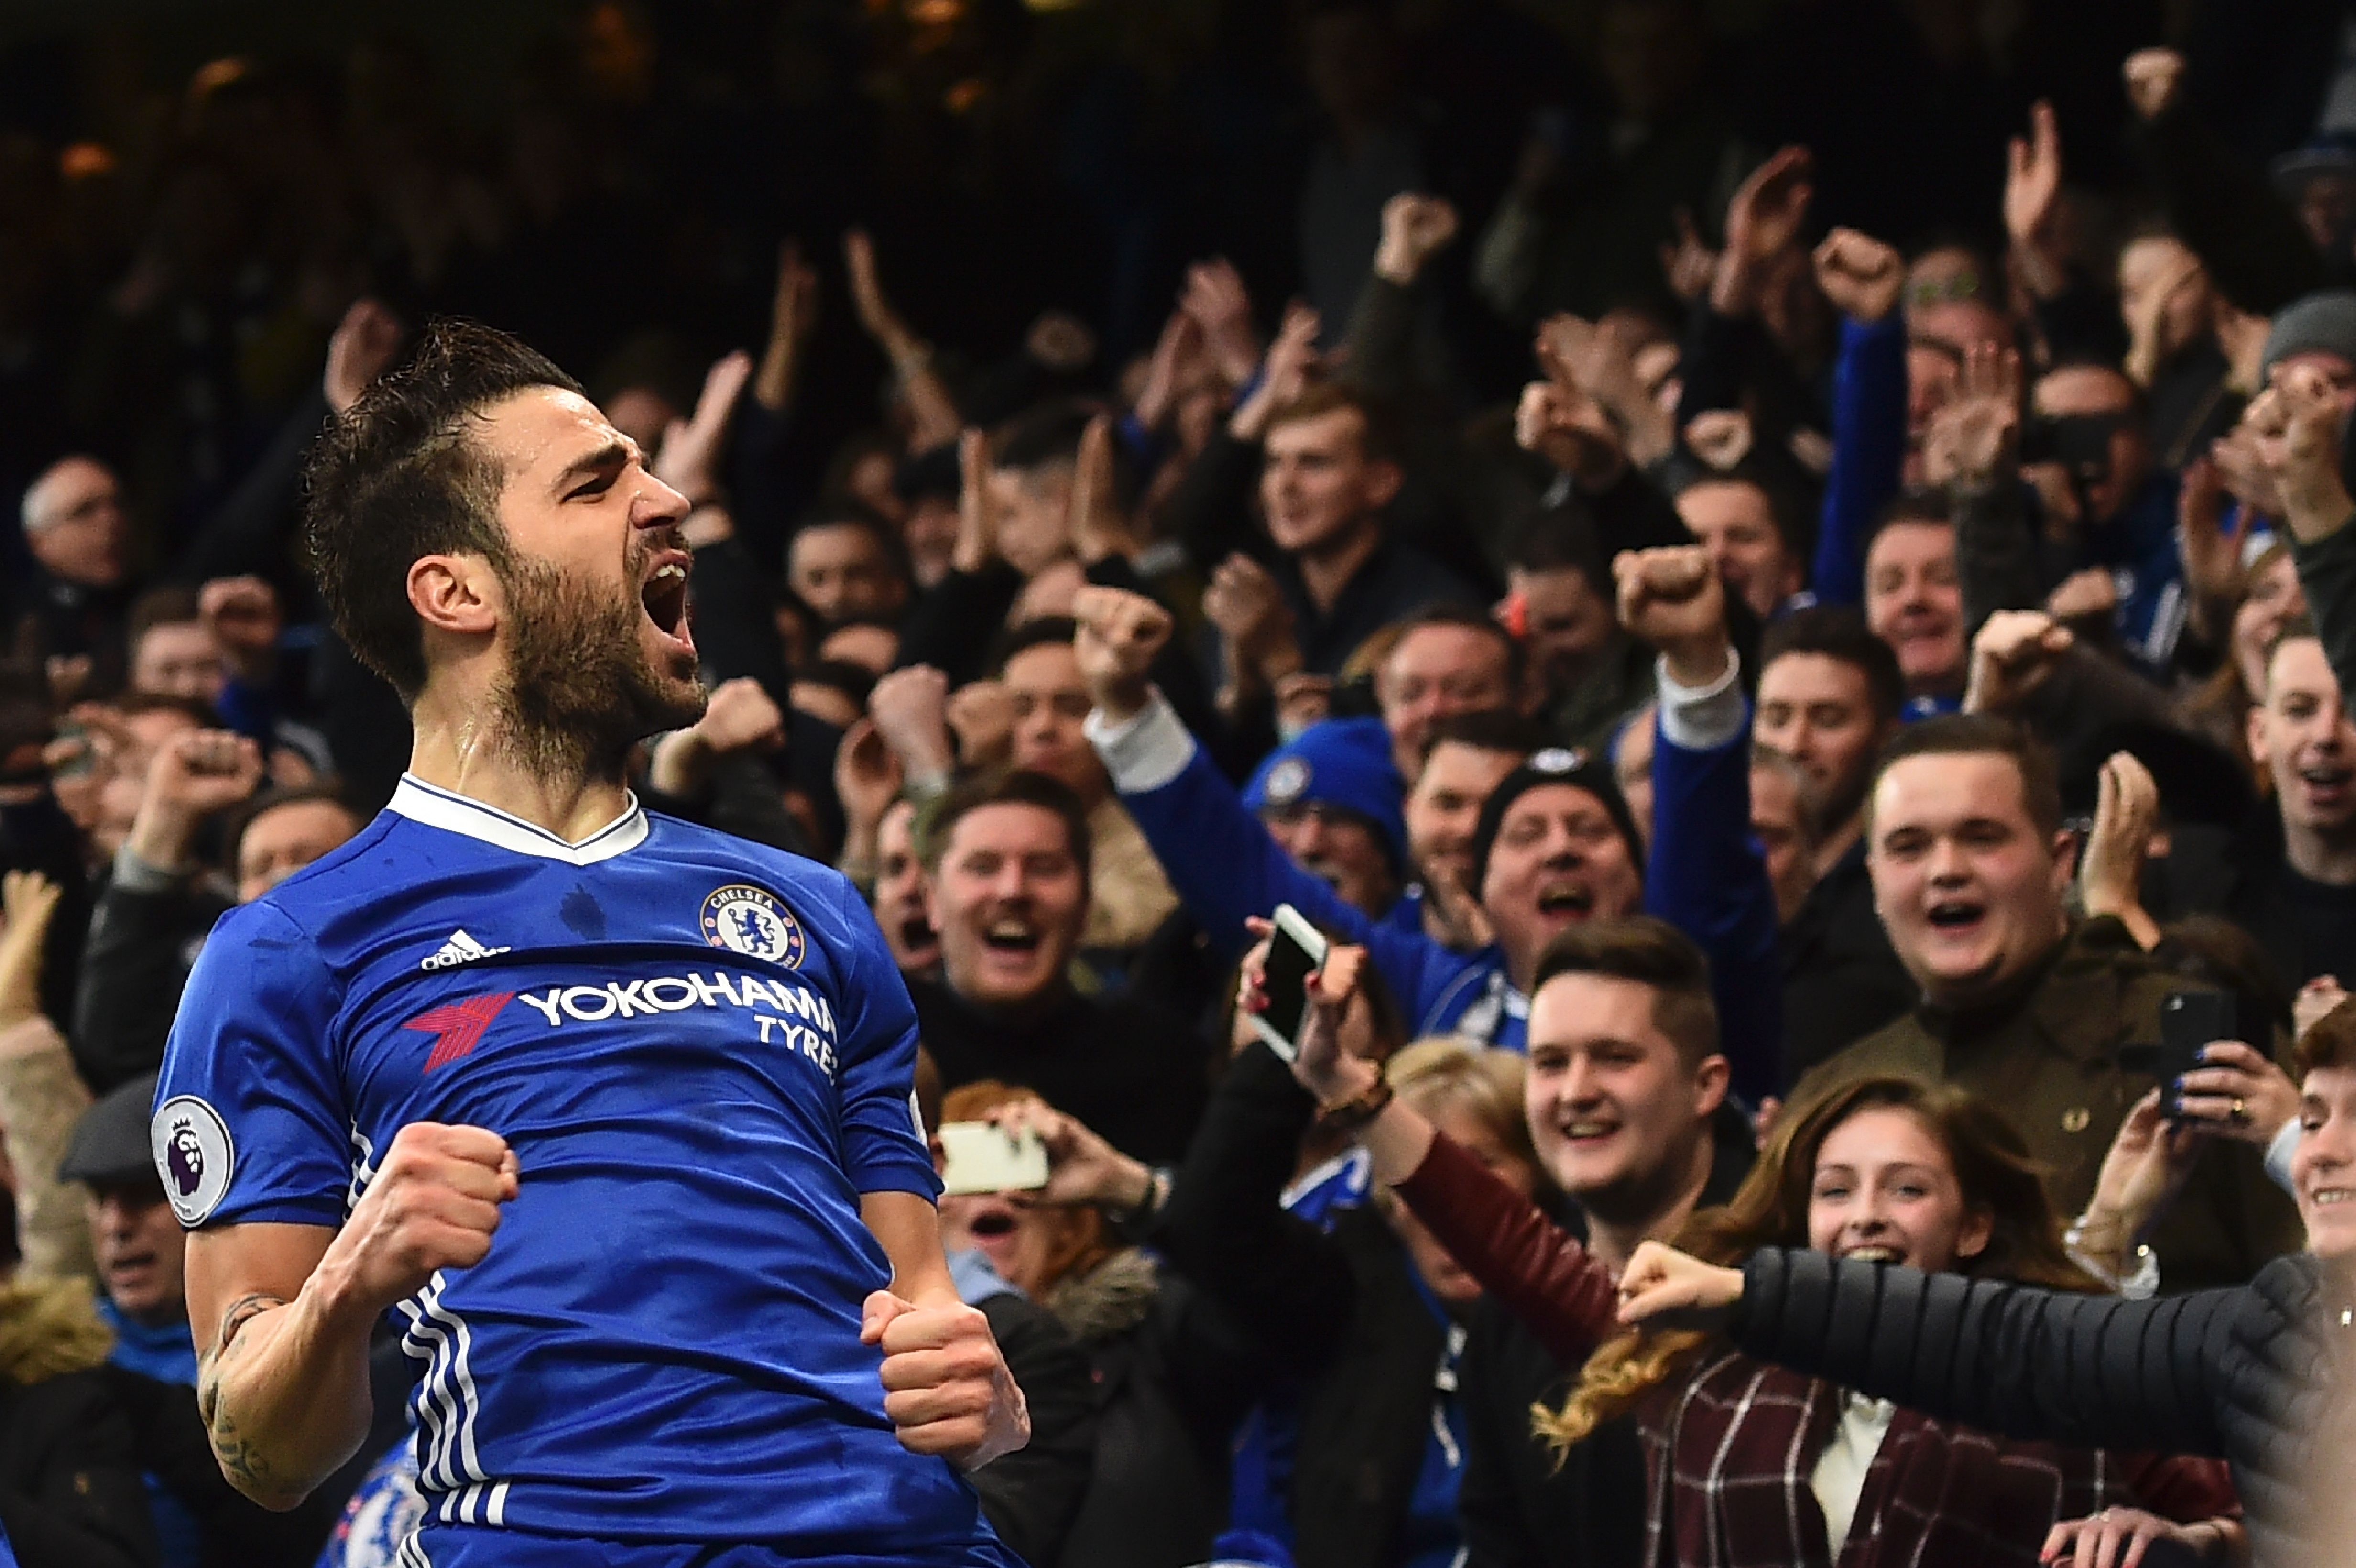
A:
917, 933
1586, 1130
664, 595
2325, 1197
1956, 915
2325, 779
1567, 901
1875, 1254
994, 1223
1014, 937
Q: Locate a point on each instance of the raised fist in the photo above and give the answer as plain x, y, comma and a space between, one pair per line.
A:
911, 708
2154, 76
432, 1205
2090, 594
242, 613
741, 717
1672, 598
1862, 276
1719, 437
200, 772
980, 714
2296, 423
1415, 229
2016, 652
1118, 637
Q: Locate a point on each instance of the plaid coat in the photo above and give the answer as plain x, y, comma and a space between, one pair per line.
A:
1730, 1448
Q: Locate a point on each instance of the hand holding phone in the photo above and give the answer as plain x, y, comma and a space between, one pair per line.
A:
2190, 1021
1296, 950
982, 1157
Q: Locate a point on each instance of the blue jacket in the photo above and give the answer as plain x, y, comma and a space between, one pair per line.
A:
1705, 876
1869, 452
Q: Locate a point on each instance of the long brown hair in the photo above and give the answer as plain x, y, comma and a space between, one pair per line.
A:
1994, 1168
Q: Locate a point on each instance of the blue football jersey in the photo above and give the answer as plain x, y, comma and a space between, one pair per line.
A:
700, 1054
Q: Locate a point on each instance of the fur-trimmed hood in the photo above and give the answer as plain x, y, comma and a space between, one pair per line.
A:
1110, 1299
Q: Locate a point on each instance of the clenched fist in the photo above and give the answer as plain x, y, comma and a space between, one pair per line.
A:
2016, 652
434, 1205
1859, 274
2297, 424
1674, 599
740, 716
946, 1387
2154, 76
1414, 228
1118, 634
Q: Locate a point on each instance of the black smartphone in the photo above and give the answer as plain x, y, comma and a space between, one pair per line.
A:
1295, 951
2189, 1022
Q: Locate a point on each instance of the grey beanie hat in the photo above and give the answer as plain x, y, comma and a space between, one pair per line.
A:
2321, 323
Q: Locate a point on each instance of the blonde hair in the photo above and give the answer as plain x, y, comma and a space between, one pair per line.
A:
1994, 1168
49, 1326
1445, 1072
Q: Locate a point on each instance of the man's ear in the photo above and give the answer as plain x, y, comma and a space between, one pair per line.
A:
2257, 732
1383, 479
1710, 1080
2064, 872
455, 594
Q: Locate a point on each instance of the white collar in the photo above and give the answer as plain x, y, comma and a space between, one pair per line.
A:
455, 813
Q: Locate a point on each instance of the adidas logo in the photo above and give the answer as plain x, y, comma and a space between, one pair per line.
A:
460, 949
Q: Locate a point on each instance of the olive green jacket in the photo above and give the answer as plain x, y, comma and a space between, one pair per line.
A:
2048, 1054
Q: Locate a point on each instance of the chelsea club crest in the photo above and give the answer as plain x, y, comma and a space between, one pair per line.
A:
747, 919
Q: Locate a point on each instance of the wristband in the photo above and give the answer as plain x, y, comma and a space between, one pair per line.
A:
1354, 1112
1133, 1224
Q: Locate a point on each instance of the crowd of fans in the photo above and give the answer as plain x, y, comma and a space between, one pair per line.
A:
1780, 633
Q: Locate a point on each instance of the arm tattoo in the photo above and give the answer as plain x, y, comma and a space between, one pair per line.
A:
242, 1311
239, 1458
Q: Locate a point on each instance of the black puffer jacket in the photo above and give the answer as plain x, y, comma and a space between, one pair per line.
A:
2244, 1375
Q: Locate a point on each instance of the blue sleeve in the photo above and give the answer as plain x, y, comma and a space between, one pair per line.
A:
1868, 451
251, 711
251, 1118
1225, 869
1707, 877
883, 1146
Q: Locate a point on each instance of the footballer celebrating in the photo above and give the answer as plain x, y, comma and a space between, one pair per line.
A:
611, 1111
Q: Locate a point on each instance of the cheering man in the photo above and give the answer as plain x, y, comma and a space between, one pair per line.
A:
613, 1113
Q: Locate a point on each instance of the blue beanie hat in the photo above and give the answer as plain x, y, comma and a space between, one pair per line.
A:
1340, 762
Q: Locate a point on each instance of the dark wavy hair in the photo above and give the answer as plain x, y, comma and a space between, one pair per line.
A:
398, 475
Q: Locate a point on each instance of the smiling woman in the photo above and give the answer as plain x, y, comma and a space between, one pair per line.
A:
2258, 1374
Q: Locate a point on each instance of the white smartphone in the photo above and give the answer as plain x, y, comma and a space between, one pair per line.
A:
982, 1157
1296, 952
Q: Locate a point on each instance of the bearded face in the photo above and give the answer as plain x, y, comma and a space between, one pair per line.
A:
581, 686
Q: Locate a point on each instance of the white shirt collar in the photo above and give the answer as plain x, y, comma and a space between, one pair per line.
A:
454, 813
